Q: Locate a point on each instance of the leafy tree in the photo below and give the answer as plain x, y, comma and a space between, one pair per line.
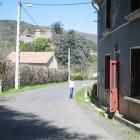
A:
57, 27
79, 50
41, 44
49, 49
24, 47
92, 58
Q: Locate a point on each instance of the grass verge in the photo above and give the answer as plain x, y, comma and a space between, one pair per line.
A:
80, 95
120, 130
27, 88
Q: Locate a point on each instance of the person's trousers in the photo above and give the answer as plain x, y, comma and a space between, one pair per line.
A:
71, 92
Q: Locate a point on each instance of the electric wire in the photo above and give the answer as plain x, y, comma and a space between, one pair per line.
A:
31, 18
63, 4
49, 4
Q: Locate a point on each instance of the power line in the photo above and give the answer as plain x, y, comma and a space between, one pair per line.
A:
63, 4
1, 3
31, 18
92, 21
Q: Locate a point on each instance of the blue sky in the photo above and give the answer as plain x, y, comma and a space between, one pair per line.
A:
72, 17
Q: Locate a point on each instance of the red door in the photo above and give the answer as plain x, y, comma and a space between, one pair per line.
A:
113, 86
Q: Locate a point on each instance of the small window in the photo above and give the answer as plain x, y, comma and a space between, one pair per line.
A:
108, 14
107, 71
135, 4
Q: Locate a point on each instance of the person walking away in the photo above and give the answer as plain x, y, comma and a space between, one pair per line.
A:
71, 88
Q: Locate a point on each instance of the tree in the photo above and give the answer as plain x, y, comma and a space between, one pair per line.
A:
26, 47
79, 50
57, 27
41, 44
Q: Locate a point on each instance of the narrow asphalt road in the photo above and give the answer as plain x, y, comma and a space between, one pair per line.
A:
48, 114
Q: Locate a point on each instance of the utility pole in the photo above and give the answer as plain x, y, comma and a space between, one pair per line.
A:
69, 64
17, 65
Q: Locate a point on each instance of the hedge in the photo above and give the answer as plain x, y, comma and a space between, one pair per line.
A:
30, 75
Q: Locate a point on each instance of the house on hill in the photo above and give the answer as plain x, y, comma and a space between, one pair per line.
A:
119, 56
30, 38
46, 59
46, 33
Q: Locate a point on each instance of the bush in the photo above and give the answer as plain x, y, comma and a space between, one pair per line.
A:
30, 75
41, 44
77, 77
93, 95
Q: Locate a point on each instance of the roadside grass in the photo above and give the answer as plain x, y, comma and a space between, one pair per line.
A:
80, 95
27, 88
131, 134
120, 130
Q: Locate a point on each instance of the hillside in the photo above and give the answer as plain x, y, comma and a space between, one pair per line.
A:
8, 35
91, 37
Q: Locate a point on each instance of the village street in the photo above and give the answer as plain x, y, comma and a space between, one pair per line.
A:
48, 114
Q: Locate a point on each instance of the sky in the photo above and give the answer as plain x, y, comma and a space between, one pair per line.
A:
80, 18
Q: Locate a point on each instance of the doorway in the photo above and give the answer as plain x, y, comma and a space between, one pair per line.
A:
135, 72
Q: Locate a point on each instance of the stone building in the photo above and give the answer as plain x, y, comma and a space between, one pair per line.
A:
119, 56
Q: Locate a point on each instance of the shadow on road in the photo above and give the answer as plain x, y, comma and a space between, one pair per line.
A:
19, 126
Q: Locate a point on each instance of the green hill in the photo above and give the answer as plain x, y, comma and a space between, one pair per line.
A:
8, 35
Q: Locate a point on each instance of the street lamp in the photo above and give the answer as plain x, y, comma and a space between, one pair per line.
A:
17, 65
29, 5
17, 72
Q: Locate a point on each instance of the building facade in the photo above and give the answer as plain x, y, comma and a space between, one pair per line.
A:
119, 56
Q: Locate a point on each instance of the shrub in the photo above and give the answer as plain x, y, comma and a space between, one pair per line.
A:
30, 75
77, 77
93, 94
41, 44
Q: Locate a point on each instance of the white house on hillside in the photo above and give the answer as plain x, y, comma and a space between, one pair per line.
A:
45, 33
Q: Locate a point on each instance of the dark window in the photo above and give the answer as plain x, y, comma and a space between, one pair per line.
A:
135, 72
107, 71
108, 14
135, 4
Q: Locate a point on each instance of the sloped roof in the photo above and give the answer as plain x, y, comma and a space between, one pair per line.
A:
31, 57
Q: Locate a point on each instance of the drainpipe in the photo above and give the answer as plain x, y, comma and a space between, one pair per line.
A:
98, 31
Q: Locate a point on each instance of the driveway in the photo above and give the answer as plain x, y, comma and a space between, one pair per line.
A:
48, 114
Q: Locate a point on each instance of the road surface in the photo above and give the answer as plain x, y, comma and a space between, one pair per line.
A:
48, 114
